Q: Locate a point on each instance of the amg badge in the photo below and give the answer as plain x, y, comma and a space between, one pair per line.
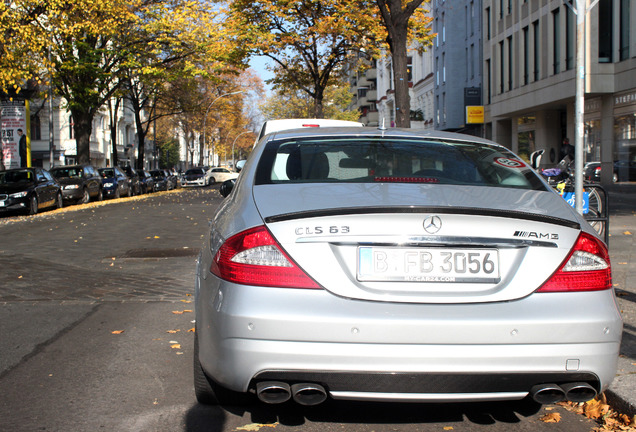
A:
537, 235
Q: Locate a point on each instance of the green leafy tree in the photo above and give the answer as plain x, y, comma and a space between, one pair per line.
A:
308, 40
94, 44
297, 104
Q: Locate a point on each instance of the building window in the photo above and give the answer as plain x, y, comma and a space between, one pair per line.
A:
624, 30
71, 126
472, 61
444, 107
526, 56
488, 23
501, 67
510, 71
437, 71
443, 28
501, 9
488, 81
535, 37
472, 18
556, 42
36, 128
443, 67
606, 27
570, 37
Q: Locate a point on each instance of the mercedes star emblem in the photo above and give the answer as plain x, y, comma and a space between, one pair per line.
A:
432, 224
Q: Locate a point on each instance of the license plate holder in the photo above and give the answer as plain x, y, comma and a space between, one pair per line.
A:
428, 265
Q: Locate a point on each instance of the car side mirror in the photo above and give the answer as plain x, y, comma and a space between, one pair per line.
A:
226, 187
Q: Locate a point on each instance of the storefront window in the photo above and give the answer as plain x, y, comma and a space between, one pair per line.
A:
592, 141
526, 145
625, 138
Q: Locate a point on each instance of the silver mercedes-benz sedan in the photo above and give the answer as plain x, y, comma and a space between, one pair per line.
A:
394, 265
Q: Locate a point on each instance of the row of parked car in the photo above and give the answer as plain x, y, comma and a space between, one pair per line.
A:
31, 189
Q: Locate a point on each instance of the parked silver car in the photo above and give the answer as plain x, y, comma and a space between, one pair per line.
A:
393, 265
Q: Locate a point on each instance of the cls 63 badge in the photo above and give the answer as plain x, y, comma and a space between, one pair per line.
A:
316, 230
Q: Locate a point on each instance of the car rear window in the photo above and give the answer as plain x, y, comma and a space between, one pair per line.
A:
395, 160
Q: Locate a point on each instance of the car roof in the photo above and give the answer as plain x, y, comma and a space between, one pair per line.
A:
378, 132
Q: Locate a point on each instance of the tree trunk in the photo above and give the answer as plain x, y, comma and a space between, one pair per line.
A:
401, 82
83, 128
141, 137
113, 131
318, 97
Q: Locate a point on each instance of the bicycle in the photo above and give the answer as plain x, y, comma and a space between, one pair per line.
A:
561, 179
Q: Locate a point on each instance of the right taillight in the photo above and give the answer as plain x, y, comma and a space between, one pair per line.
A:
253, 257
587, 268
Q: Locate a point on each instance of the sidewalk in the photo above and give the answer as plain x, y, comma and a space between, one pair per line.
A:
622, 244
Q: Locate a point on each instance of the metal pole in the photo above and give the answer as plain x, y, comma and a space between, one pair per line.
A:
205, 118
233, 160
579, 106
51, 138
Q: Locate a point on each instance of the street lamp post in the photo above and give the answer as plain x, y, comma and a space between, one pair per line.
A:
235, 138
205, 118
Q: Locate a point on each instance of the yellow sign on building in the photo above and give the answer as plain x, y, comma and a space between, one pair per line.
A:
474, 114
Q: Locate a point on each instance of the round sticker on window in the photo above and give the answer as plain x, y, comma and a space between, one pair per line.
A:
509, 163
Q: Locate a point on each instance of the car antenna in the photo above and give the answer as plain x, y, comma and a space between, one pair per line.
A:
382, 127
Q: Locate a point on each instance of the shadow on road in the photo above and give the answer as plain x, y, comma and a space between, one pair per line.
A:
201, 418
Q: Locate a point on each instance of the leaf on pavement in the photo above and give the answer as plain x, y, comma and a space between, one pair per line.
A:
173, 331
177, 312
551, 418
595, 409
118, 331
186, 301
175, 346
191, 330
627, 233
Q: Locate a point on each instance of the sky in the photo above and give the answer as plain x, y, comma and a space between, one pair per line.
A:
258, 64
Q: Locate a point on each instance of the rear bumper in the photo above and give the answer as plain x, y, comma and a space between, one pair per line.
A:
388, 351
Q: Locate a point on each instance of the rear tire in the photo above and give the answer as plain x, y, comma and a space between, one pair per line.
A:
210, 393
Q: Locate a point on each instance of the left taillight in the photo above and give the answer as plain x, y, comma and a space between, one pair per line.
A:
587, 268
253, 257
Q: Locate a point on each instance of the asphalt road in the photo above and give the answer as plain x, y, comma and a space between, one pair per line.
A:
96, 318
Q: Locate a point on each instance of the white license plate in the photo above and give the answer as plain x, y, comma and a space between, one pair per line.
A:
428, 265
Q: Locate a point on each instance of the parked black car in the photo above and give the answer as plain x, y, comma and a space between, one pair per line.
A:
624, 170
115, 182
80, 183
147, 182
133, 180
28, 190
161, 180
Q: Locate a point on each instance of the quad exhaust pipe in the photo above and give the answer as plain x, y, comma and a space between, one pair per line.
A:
552, 393
275, 392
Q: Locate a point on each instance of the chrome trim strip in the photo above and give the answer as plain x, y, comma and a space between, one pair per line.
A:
441, 241
437, 397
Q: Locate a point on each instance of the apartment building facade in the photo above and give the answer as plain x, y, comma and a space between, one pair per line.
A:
64, 145
529, 55
457, 54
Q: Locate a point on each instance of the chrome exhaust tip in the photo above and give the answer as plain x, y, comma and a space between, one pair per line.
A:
579, 391
273, 392
308, 394
547, 393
